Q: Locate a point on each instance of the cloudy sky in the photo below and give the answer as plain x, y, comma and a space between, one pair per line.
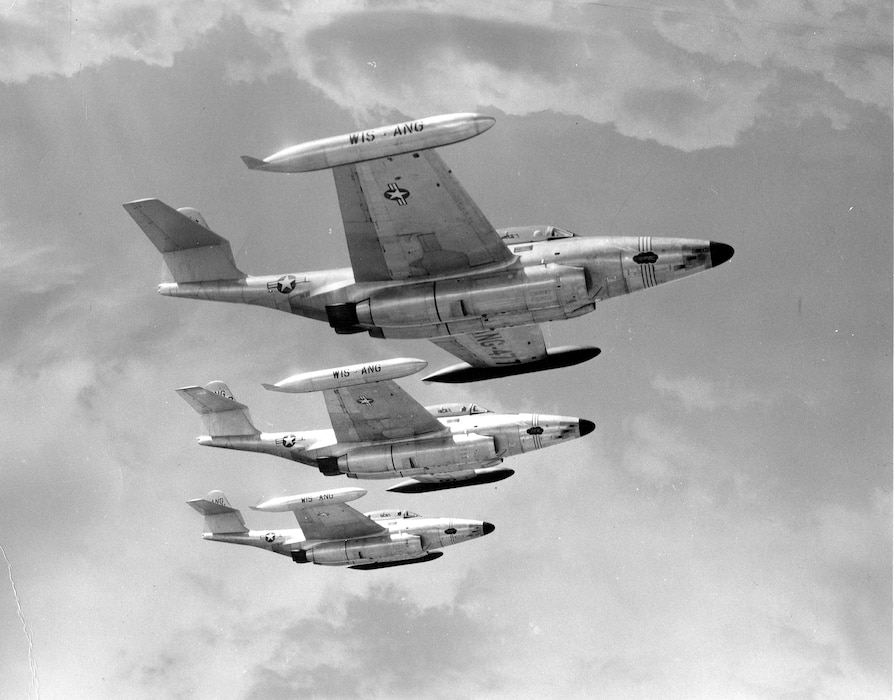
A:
724, 532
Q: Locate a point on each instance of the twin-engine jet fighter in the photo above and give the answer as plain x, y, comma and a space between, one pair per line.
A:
425, 261
331, 533
380, 432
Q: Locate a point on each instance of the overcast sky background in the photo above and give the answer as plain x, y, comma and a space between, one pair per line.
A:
724, 532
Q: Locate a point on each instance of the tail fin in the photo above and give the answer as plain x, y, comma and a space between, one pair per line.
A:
192, 252
220, 516
221, 413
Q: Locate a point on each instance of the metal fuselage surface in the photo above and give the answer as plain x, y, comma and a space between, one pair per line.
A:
547, 280
407, 537
475, 440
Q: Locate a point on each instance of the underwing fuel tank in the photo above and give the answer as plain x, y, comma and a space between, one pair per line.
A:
352, 375
391, 140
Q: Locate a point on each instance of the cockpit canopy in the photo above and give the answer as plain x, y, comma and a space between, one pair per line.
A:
391, 514
446, 410
533, 234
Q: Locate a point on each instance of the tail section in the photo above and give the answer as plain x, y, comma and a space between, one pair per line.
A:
222, 415
220, 517
191, 251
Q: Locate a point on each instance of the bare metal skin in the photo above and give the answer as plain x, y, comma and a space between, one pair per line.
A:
332, 533
380, 432
425, 261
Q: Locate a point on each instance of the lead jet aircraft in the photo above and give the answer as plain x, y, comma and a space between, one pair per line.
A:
425, 261
381, 432
331, 533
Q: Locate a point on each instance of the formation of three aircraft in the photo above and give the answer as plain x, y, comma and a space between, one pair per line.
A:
425, 263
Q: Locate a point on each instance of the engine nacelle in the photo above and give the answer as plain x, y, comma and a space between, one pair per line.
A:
560, 288
363, 550
409, 458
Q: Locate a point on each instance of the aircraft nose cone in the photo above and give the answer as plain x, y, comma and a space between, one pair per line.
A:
585, 426
720, 253
488, 528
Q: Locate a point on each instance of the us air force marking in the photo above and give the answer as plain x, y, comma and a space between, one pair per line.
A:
397, 194
270, 536
288, 441
284, 284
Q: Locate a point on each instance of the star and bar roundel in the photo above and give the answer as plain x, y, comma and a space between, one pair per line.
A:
397, 194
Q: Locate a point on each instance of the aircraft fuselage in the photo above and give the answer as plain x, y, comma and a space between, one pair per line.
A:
408, 539
547, 280
482, 439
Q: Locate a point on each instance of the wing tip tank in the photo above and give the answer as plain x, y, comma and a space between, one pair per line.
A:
253, 163
282, 504
556, 358
350, 375
488, 477
372, 144
402, 562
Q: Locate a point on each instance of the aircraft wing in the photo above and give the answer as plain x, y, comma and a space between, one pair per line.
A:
496, 348
378, 411
334, 521
406, 216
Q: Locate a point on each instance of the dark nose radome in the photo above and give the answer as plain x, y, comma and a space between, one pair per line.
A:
585, 427
488, 528
720, 253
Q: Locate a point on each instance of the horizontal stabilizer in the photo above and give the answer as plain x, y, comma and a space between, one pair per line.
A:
556, 357
220, 517
210, 507
205, 401
192, 252
221, 414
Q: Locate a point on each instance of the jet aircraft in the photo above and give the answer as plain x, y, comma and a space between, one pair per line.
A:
381, 432
332, 533
425, 261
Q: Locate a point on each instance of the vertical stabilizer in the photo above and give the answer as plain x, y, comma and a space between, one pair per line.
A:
220, 517
191, 251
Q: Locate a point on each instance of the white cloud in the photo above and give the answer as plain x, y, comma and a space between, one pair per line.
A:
696, 393
686, 77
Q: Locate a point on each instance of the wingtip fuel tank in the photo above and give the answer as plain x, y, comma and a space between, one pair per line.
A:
351, 375
564, 356
381, 142
286, 503
487, 475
